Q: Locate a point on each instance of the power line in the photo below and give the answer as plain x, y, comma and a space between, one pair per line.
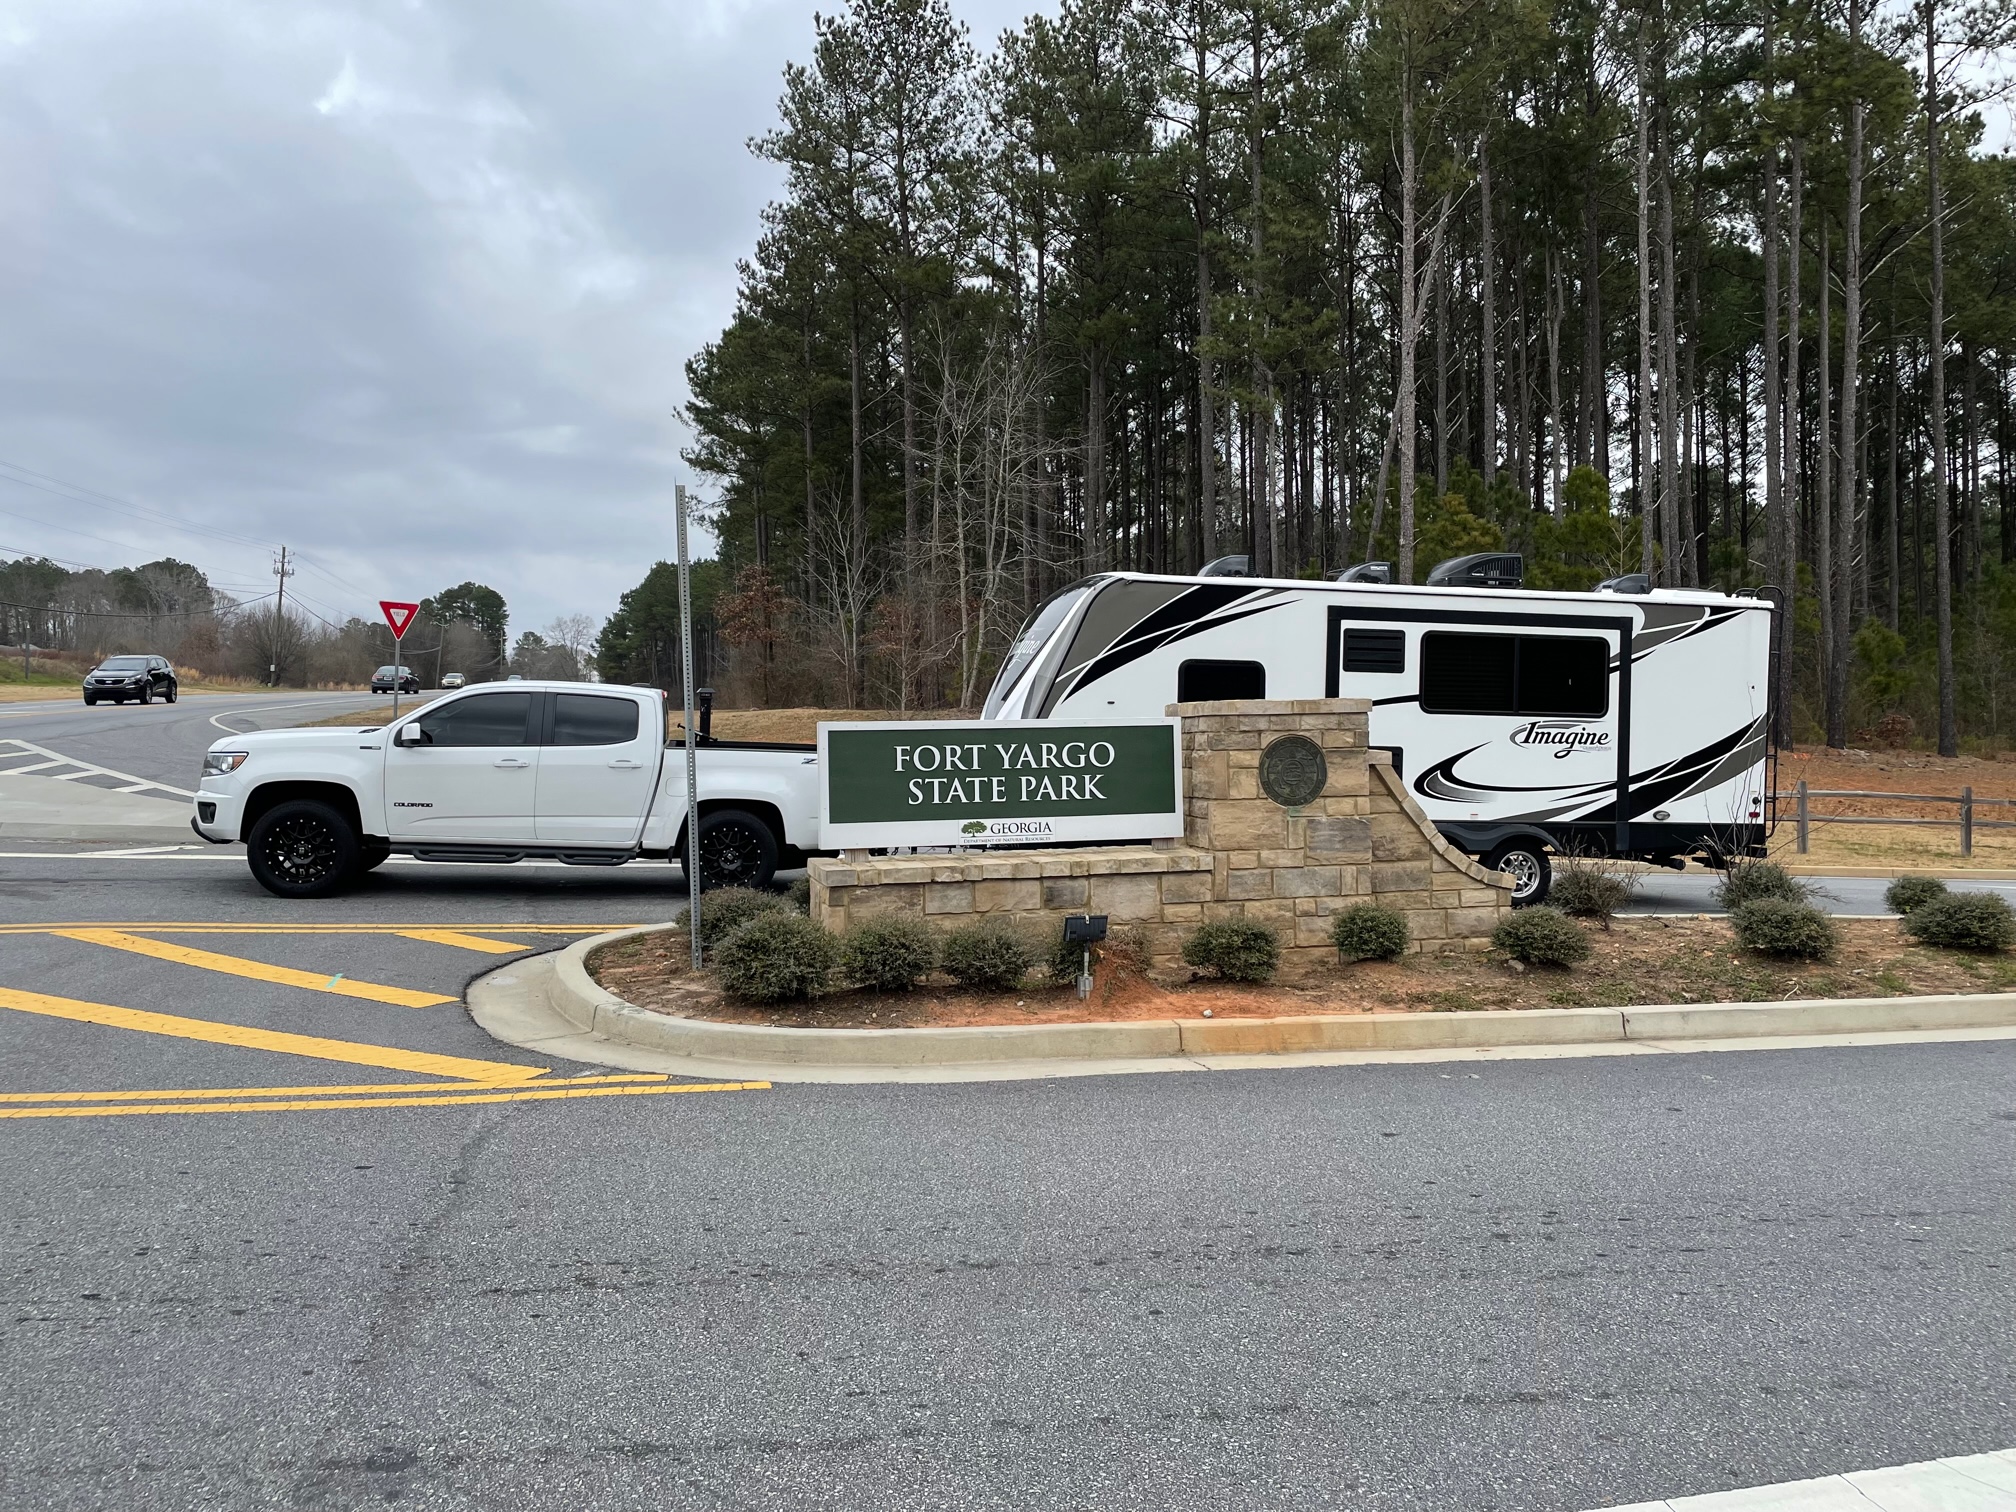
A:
63, 488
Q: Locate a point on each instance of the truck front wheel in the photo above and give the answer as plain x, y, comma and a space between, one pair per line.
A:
736, 850
303, 849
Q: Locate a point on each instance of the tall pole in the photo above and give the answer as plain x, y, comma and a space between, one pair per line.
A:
692, 776
283, 572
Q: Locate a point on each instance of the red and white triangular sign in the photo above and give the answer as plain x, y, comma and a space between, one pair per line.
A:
398, 616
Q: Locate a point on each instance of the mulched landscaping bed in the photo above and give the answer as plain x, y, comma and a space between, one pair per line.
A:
1660, 960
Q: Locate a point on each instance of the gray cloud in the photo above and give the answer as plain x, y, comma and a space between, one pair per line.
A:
406, 285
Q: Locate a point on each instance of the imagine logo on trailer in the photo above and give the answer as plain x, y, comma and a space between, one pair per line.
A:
1567, 736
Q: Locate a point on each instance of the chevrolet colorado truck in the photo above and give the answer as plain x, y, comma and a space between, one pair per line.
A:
574, 772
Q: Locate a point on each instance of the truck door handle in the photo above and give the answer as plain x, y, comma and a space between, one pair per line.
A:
512, 761
626, 766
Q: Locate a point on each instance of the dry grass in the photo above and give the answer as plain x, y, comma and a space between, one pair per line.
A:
1640, 961
797, 725
1895, 772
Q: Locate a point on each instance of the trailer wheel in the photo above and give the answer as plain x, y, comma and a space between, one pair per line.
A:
1526, 863
302, 849
736, 850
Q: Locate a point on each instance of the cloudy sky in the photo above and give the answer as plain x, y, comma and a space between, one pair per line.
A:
405, 284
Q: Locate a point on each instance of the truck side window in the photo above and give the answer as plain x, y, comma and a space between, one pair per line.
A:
1216, 681
1561, 675
1375, 651
489, 719
585, 719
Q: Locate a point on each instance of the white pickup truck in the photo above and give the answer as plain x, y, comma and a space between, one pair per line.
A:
574, 772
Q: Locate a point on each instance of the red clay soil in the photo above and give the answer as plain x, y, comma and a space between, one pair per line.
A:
1639, 961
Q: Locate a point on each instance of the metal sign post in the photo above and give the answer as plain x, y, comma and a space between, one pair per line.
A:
400, 617
692, 777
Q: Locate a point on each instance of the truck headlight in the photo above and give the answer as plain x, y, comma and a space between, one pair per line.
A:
218, 763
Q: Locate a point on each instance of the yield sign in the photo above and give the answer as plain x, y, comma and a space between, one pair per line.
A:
398, 616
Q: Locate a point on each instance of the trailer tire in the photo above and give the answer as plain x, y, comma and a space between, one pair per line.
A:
736, 850
1525, 861
303, 849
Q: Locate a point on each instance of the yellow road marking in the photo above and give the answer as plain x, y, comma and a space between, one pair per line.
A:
460, 940
258, 971
313, 1104
212, 926
384, 1056
295, 1091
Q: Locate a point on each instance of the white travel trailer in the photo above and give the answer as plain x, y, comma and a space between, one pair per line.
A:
1615, 723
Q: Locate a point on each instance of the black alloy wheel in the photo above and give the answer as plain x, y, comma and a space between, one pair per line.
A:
736, 850
1526, 863
147, 693
303, 849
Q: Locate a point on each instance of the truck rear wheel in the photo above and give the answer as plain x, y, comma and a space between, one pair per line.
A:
302, 849
736, 850
1526, 863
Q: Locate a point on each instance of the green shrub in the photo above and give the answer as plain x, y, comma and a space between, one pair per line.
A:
1239, 950
724, 911
1590, 888
1909, 894
1780, 927
987, 953
1541, 936
800, 894
774, 956
888, 954
1964, 921
1370, 932
1747, 881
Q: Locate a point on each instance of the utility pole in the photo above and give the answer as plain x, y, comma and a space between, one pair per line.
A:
283, 572
692, 777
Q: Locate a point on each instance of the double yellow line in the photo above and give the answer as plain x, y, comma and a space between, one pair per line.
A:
465, 1080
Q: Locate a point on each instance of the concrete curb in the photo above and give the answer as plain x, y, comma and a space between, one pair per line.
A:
551, 1004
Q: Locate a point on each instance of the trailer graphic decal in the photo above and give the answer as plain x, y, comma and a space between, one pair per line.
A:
1188, 614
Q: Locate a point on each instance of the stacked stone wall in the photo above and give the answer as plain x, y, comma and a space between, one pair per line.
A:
1245, 855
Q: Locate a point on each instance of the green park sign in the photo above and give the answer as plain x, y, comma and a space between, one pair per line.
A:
998, 782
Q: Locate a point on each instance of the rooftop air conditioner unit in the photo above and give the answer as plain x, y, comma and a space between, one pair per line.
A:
1227, 566
1630, 582
1488, 569
1364, 572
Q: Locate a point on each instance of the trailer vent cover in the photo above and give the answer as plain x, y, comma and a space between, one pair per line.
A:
1364, 572
1490, 569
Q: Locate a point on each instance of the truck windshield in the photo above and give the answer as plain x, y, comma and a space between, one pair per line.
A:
1050, 614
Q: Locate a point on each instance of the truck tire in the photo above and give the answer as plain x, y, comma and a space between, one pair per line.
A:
1525, 861
303, 849
736, 850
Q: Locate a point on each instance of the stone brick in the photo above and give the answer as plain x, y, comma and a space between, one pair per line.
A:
1472, 923
1243, 783
1250, 884
1127, 897
1065, 892
1240, 860
1279, 912
1290, 857
1333, 836
1307, 882
948, 897
1394, 836
1186, 887
1183, 913
900, 897
1004, 895
1247, 826
1400, 876
1428, 924
1246, 756
1311, 930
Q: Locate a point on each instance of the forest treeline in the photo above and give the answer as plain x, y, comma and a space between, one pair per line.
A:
1721, 292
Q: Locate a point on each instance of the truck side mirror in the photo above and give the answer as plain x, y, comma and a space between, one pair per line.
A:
410, 735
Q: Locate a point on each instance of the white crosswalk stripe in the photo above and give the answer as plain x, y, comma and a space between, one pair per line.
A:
1963, 1483
21, 757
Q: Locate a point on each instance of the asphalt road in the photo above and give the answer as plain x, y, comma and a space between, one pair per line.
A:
283, 1228
165, 742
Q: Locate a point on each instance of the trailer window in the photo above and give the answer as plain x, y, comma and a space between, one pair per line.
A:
1216, 681
1375, 651
1515, 674
1468, 674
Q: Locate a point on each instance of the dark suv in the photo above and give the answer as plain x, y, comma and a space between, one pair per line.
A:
118, 678
394, 680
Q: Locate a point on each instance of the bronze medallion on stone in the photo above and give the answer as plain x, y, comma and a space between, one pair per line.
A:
1293, 771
